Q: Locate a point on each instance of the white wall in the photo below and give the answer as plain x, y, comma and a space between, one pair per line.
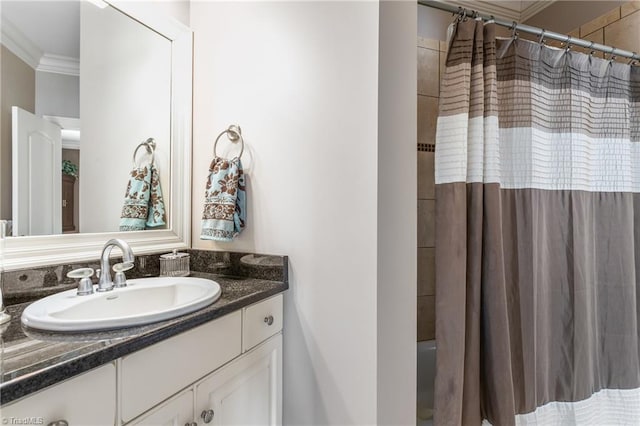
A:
17, 85
57, 94
301, 78
397, 214
125, 94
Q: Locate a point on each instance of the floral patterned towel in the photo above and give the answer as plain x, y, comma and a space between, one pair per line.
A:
143, 203
225, 201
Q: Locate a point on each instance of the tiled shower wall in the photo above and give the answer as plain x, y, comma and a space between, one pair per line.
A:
620, 28
431, 56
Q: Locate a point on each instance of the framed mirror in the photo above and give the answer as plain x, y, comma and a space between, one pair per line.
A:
135, 83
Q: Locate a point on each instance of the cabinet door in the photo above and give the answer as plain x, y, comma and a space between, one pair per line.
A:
68, 186
88, 399
177, 411
246, 392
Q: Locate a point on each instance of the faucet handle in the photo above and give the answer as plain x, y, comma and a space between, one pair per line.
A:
85, 286
122, 267
120, 280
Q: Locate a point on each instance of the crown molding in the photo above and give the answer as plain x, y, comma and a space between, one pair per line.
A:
59, 64
69, 129
19, 44
499, 9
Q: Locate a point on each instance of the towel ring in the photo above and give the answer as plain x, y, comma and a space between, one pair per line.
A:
150, 145
234, 133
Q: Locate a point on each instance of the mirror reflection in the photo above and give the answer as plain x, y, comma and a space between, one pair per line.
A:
82, 86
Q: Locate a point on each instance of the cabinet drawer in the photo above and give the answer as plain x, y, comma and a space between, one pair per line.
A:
151, 375
87, 399
177, 411
261, 321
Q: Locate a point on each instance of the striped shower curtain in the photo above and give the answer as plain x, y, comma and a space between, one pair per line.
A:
537, 235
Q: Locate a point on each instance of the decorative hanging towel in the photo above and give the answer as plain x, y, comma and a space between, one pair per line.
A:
225, 201
143, 203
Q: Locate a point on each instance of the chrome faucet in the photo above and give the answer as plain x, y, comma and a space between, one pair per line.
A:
105, 283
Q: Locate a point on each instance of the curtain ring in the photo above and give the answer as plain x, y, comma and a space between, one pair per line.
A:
568, 47
514, 32
541, 39
632, 61
613, 56
592, 52
458, 14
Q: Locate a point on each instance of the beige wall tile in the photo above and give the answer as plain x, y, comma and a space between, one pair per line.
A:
426, 223
528, 36
502, 31
597, 37
443, 46
426, 271
428, 43
574, 33
427, 118
600, 22
624, 34
554, 43
426, 318
428, 72
629, 8
426, 176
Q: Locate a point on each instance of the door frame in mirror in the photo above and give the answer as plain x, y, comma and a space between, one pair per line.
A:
34, 251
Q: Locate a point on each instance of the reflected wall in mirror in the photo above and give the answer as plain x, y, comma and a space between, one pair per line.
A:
105, 82
125, 132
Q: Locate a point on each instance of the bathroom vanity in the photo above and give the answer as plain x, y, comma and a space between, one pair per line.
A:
219, 365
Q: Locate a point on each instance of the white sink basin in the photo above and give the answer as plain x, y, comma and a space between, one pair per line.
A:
143, 301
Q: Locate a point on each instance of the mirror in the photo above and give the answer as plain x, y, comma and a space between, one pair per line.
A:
112, 75
132, 83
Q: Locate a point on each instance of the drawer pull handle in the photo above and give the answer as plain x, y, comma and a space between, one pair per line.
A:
207, 415
59, 423
268, 320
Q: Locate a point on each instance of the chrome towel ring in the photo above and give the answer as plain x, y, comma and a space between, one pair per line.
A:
234, 134
150, 145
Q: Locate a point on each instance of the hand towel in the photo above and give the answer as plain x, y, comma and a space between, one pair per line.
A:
143, 203
225, 201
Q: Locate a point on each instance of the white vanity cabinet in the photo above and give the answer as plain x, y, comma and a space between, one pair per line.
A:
87, 399
151, 375
225, 372
230, 370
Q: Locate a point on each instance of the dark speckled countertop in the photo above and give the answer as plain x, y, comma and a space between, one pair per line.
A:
32, 360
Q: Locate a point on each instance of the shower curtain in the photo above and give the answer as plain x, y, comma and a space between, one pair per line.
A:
537, 235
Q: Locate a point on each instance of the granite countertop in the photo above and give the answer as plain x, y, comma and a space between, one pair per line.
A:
32, 360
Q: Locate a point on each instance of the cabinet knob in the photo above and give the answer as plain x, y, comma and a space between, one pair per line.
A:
207, 415
59, 423
268, 320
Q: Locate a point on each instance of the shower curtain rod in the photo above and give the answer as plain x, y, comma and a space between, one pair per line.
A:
532, 30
